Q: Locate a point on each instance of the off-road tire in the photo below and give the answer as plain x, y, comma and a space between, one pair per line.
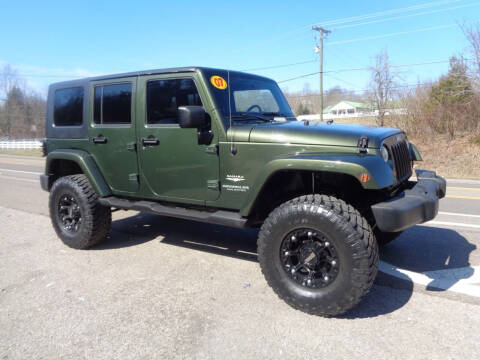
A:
352, 237
96, 219
384, 238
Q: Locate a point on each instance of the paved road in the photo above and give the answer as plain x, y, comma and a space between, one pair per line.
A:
169, 288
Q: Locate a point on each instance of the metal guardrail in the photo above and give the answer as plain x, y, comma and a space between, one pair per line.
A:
21, 144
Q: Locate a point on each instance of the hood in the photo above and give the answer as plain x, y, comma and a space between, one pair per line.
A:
316, 133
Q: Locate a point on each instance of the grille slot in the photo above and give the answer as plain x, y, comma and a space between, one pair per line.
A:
401, 160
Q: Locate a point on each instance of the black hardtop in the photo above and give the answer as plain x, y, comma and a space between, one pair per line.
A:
81, 81
80, 132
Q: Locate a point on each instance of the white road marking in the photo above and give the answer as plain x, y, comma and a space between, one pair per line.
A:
16, 178
457, 214
463, 181
464, 280
207, 245
448, 223
21, 171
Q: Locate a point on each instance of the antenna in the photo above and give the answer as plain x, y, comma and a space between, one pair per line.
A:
233, 149
319, 50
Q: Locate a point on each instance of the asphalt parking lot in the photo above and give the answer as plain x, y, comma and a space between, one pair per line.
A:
169, 288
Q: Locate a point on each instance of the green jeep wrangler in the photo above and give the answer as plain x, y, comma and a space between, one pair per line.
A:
224, 147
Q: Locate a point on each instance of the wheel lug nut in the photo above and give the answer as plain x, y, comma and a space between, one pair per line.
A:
287, 253
325, 278
334, 262
293, 238
327, 243
309, 234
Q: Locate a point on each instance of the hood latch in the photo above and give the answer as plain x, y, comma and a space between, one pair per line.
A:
363, 144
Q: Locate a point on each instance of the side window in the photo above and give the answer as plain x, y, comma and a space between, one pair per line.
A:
68, 107
165, 96
112, 104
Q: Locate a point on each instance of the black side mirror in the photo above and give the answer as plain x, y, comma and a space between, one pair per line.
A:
192, 117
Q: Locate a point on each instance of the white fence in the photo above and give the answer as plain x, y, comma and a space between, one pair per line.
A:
21, 144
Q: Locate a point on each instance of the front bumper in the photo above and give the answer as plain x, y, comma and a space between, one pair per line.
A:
45, 182
413, 206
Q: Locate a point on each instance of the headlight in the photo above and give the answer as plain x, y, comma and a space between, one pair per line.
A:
384, 152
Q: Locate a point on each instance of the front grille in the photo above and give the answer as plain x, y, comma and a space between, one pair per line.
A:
401, 160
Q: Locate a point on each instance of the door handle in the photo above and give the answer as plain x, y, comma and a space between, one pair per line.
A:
100, 139
150, 141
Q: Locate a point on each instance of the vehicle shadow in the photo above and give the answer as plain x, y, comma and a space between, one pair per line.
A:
215, 239
419, 249
435, 252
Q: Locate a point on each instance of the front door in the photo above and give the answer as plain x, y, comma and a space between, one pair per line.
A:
174, 166
112, 133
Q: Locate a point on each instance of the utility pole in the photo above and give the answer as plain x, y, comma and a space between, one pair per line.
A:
319, 50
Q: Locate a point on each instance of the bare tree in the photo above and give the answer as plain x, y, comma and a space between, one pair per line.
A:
381, 85
472, 33
8, 79
22, 111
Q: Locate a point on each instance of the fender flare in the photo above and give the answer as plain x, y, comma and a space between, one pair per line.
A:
381, 175
85, 162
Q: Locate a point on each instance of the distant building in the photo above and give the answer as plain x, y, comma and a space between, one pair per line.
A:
348, 109
345, 107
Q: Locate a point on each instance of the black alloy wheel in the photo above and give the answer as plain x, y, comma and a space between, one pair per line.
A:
69, 213
309, 258
79, 220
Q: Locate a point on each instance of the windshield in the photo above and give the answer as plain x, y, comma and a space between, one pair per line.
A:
252, 98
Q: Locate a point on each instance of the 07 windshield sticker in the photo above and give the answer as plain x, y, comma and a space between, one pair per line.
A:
236, 186
218, 82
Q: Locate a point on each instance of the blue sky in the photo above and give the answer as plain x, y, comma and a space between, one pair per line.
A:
56, 40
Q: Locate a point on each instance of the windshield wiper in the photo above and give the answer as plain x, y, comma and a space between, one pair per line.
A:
274, 114
249, 115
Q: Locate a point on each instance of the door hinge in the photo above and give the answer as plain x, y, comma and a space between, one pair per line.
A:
212, 149
131, 146
213, 185
133, 177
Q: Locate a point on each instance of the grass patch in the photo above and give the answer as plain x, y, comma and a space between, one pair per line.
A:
475, 140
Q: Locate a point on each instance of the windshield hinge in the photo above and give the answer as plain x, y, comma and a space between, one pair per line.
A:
213, 185
133, 177
131, 146
363, 144
212, 149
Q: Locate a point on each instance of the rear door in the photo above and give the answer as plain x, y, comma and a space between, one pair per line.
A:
174, 166
112, 133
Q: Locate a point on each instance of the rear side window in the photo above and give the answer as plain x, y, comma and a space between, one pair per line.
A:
112, 104
68, 107
165, 96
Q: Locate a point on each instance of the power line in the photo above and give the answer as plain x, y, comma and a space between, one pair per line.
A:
350, 19
298, 77
368, 68
394, 88
391, 34
385, 12
280, 66
266, 68
406, 16
352, 69
339, 79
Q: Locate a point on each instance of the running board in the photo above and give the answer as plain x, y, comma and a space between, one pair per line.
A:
220, 217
